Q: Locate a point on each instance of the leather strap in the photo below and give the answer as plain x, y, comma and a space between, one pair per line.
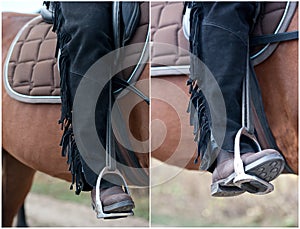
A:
116, 24
273, 38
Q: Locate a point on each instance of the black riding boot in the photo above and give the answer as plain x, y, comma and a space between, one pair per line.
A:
219, 38
84, 34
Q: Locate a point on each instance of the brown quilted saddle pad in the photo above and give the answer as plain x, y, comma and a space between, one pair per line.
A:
166, 27
31, 71
31, 68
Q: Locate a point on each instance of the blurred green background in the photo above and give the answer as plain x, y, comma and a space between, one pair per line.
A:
51, 203
44, 184
184, 200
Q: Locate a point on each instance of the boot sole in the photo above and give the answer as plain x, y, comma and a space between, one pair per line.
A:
123, 206
266, 168
120, 207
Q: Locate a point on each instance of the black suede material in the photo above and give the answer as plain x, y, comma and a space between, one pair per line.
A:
85, 35
219, 38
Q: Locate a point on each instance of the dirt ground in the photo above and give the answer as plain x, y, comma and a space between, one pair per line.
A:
57, 213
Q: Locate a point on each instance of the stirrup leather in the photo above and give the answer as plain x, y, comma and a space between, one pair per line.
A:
110, 168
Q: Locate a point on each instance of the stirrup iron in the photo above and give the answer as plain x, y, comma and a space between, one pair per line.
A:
110, 168
99, 208
250, 183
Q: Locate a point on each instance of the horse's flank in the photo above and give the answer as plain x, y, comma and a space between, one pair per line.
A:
278, 78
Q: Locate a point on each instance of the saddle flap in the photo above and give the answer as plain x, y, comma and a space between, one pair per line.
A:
131, 18
140, 36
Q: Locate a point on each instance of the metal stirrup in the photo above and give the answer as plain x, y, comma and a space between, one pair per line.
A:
110, 168
247, 129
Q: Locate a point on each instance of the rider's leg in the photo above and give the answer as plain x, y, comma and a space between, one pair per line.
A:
84, 34
219, 38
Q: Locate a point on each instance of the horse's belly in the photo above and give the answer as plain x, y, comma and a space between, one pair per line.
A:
171, 135
31, 134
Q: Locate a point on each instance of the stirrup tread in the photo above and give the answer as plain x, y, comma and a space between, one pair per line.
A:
259, 173
219, 190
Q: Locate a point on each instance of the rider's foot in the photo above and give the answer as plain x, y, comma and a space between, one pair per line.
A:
113, 199
266, 165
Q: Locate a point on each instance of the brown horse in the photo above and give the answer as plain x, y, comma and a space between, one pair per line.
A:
278, 79
31, 135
